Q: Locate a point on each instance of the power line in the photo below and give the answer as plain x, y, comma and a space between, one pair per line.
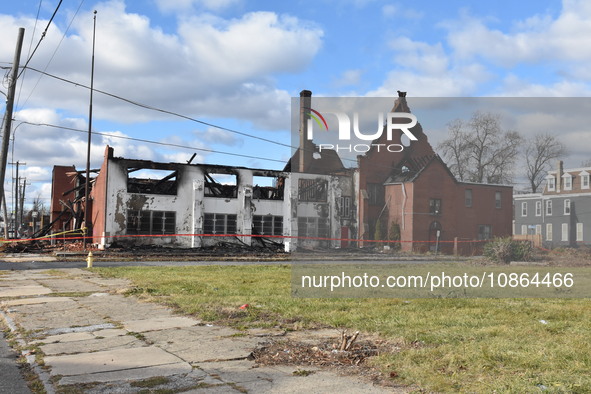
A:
30, 45
152, 142
146, 106
41, 39
55, 51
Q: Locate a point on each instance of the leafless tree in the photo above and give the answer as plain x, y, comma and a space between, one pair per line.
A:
480, 150
454, 148
540, 152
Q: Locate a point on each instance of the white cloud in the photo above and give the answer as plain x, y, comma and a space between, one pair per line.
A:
472, 54
349, 78
188, 5
210, 67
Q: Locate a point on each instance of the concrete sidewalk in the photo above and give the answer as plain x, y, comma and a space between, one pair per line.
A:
94, 339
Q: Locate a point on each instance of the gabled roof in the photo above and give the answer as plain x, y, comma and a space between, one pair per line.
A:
410, 168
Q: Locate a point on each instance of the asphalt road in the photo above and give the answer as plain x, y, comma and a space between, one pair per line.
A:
29, 265
11, 381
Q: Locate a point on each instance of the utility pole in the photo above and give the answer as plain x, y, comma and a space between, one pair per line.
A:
87, 216
15, 197
22, 209
9, 109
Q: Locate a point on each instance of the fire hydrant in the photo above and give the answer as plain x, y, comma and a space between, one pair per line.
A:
89, 260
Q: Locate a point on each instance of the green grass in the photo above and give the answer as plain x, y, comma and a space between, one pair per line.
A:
446, 345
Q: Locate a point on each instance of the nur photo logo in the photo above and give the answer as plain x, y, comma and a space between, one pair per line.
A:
349, 130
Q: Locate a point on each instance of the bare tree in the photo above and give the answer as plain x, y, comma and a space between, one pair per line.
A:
480, 150
540, 152
454, 148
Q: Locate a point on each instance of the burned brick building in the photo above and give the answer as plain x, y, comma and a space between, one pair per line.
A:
409, 197
194, 205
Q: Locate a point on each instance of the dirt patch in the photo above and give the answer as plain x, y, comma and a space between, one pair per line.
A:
326, 354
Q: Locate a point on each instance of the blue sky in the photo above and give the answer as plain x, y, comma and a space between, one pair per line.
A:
237, 63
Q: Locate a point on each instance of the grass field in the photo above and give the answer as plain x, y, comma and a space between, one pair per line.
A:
446, 345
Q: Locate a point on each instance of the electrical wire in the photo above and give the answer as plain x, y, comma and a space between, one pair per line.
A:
152, 142
41, 39
168, 112
30, 46
54, 52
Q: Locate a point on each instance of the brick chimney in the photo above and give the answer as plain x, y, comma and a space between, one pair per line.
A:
305, 145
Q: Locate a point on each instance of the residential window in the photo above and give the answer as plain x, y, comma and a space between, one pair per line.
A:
484, 231
375, 193
568, 182
523, 229
497, 199
567, 207
314, 227
524, 208
344, 206
468, 197
579, 232
584, 180
219, 223
548, 207
538, 229
435, 206
538, 208
151, 222
312, 190
551, 183
564, 231
267, 224
548, 231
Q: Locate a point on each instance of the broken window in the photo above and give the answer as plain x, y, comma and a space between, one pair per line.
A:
267, 225
149, 181
313, 190
219, 223
268, 188
221, 185
151, 222
313, 227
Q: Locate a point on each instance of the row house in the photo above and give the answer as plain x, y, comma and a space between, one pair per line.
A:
561, 214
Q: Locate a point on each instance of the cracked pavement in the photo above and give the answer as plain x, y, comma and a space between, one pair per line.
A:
86, 334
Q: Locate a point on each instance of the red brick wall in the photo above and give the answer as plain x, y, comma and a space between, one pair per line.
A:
61, 182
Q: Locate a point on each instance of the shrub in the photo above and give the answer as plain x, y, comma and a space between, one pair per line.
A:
504, 250
395, 235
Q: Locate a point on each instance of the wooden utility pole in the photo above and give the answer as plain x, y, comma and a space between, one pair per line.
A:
9, 109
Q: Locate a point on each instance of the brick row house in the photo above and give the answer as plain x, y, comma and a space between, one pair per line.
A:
561, 214
311, 203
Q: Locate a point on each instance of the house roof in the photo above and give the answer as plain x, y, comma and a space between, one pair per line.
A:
410, 168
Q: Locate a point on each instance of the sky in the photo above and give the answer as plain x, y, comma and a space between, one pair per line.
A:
216, 77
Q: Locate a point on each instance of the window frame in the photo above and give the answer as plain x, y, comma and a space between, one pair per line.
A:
539, 208
468, 201
229, 223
